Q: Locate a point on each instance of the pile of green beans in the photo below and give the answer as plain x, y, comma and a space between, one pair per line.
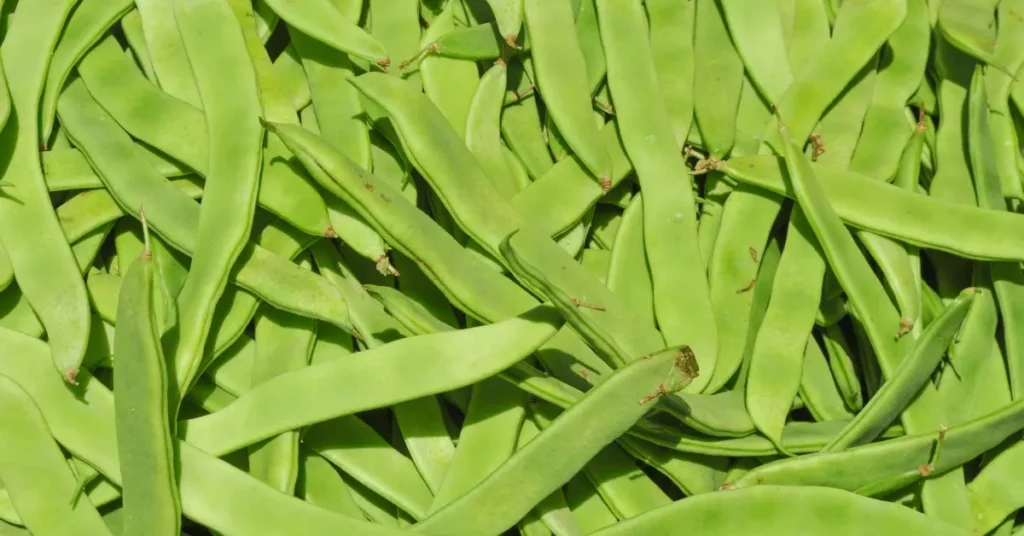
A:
497, 267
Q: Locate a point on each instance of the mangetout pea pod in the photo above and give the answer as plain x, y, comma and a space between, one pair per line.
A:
447, 360
144, 429
775, 509
561, 450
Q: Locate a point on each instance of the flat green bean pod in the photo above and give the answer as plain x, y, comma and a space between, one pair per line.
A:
891, 211
235, 153
670, 226
607, 323
175, 218
442, 157
179, 130
970, 26
768, 509
84, 28
776, 359
47, 276
166, 51
358, 450
37, 485
561, 450
144, 430
320, 20
448, 357
914, 371
865, 465
212, 491
560, 73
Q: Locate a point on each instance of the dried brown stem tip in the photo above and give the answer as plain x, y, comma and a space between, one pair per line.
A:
582, 303
906, 324
818, 147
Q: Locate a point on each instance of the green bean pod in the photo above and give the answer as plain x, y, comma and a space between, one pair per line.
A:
776, 361
538, 469
46, 275
167, 50
924, 221
146, 450
437, 355
779, 508
912, 374
83, 29
322, 21
670, 227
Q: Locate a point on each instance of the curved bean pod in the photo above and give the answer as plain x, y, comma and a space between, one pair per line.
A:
776, 361
455, 365
885, 131
914, 371
907, 216
213, 492
47, 276
229, 195
36, 486
176, 219
83, 29
448, 82
1007, 278
494, 504
179, 130
607, 323
483, 130
444, 160
320, 20
866, 465
560, 73
758, 32
773, 508
670, 227
628, 276
946, 495
718, 80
